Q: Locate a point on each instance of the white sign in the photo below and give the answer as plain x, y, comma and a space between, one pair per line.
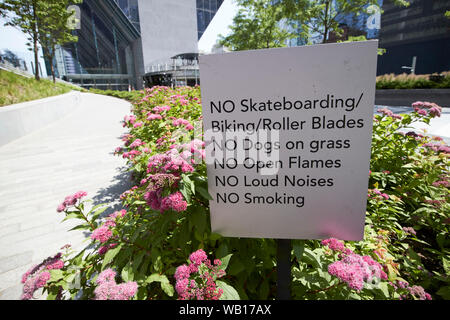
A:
288, 136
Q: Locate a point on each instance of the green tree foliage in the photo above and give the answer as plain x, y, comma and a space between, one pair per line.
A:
44, 22
256, 26
23, 15
322, 16
53, 27
266, 23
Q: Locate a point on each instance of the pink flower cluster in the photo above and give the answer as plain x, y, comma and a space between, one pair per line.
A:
377, 194
409, 230
152, 117
182, 122
108, 289
442, 183
425, 108
437, 147
131, 154
169, 162
389, 113
136, 143
174, 201
193, 152
197, 280
71, 201
104, 232
38, 276
416, 291
355, 270
160, 109
127, 120
336, 245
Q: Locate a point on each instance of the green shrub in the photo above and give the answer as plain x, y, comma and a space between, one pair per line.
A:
404, 254
412, 81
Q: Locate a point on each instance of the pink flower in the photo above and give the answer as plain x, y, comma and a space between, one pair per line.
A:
180, 122
136, 143
101, 234
154, 117
42, 279
182, 272
175, 202
202, 286
138, 125
61, 207
127, 290
107, 275
409, 230
59, 264
333, 244
422, 112
355, 270
198, 257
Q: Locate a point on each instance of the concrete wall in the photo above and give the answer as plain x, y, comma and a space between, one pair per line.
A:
405, 97
168, 27
23, 118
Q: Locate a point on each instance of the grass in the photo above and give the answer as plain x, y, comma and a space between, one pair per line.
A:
412, 81
15, 88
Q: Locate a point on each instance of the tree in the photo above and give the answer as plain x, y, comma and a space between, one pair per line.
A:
256, 26
24, 17
53, 27
44, 22
322, 17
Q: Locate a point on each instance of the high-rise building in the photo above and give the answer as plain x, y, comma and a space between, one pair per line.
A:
420, 30
105, 53
119, 41
131, 9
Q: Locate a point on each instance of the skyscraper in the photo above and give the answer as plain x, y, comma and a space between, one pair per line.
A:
120, 40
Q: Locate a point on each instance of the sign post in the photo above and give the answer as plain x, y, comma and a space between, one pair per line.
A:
283, 269
288, 136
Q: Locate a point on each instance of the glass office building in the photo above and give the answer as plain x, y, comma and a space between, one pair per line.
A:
206, 10
103, 55
131, 9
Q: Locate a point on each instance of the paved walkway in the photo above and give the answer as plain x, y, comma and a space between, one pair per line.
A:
38, 170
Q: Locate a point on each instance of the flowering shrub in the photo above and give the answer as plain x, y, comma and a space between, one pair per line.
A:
166, 219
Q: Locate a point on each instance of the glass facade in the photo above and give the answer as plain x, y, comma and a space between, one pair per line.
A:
131, 9
102, 56
206, 10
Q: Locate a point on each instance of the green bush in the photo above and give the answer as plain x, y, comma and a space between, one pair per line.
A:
404, 254
412, 81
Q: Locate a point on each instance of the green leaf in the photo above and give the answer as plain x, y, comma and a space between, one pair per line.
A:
299, 248
214, 236
73, 215
81, 227
162, 279
109, 256
167, 288
236, 267
98, 213
444, 292
204, 193
229, 293
56, 275
225, 261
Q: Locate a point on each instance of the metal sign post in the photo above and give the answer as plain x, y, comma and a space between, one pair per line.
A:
284, 269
